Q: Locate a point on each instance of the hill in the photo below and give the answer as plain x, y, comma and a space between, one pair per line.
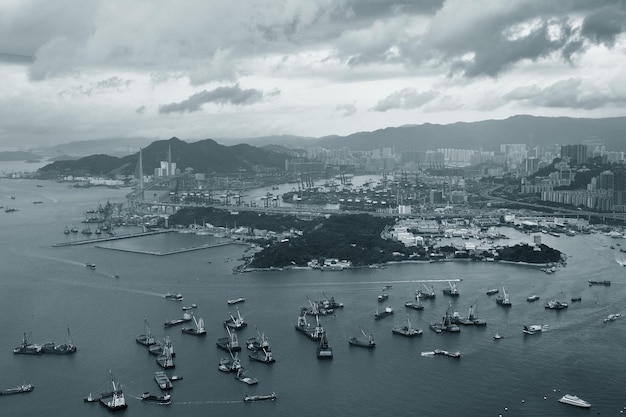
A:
488, 134
204, 156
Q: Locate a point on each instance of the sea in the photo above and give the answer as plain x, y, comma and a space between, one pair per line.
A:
46, 289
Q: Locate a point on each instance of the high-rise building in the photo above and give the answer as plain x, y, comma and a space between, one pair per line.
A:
576, 153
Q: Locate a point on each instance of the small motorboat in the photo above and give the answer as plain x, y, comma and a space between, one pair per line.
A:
91, 399
497, 336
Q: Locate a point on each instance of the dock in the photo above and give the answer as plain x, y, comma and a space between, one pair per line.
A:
175, 251
111, 238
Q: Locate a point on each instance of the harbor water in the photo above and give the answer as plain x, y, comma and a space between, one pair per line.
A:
45, 289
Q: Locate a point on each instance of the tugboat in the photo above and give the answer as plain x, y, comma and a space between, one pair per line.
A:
382, 314
27, 348
159, 399
252, 398
324, 351
114, 400
146, 339
407, 330
368, 342
199, 330
230, 343
451, 291
62, 349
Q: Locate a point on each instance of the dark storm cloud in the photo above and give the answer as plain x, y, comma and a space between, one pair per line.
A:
604, 25
570, 93
407, 98
221, 95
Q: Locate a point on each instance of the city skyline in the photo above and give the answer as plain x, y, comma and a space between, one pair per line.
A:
82, 70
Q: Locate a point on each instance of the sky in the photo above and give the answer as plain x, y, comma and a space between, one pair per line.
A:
75, 70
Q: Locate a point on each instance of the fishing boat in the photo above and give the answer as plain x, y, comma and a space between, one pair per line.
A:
243, 377
503, 299
406, 330
27, 348
236, 301
574, 400
62, 349
230, 343
162, 380
22, 389
236, 323
252, 398
114, 400
451, 291
415, 305
186, 318
367, 342
382, 314
198, 330
324, 351
159, 399
428, 294
147, 338
175, 297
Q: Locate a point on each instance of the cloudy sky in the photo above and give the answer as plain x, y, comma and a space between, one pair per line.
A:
91, 69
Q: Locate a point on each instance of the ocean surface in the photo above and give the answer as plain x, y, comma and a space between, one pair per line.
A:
45, 289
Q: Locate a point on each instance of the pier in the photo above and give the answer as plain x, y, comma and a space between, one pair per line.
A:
175, 251
110, 238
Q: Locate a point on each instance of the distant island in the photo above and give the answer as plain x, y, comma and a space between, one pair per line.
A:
354, 240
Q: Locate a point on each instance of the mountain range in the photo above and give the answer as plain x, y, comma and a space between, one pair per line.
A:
204, 156
271, 151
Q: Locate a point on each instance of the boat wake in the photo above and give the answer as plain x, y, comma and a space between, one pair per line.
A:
207, 402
